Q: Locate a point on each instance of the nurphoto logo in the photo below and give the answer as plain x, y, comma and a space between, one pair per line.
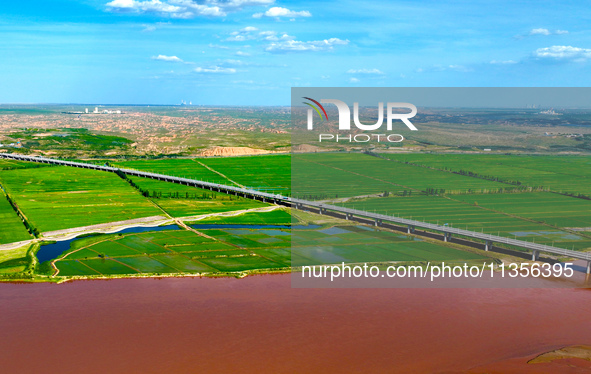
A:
345, 120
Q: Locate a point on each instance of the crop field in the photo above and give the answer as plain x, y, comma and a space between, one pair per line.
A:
14, 261
58, 198
553, 209
559, 173
237, 250
274, 217
342, 174
362, 244
160, 252
518, 223
185, 168
13, 229
180, 201
264, 173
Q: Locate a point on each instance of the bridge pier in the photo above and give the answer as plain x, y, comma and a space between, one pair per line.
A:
535, 255
348, 216
410, 229
588, 267
487, 245
378, 222
447, 236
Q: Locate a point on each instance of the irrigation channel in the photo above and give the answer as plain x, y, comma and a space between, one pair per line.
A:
347, 213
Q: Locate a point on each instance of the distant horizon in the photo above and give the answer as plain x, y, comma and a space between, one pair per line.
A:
541, 107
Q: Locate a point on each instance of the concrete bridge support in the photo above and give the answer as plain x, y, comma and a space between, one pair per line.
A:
348, 216
378, 222
535, 255
410, 229
447, 236
588, 267
488, 245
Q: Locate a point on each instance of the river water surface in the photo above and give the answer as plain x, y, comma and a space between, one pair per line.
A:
260, 324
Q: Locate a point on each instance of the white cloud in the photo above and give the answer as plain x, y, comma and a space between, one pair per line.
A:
240, 53
250, 33
540, 32
547, 32
243, 34
503, 62
563, 53
167, 58
299, 46
215, 70
248, 29
274, 37
365, 71
282, 12
354, 80
183, 8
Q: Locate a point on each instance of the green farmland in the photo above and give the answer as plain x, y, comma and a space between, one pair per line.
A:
13, 229
264, 173
56, 198
242, 250
559, 173
543, 220
332, 175
181, 201
185, 168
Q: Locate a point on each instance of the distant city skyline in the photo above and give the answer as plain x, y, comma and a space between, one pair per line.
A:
251, 52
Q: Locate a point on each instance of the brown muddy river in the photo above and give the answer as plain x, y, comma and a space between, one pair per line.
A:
260, 324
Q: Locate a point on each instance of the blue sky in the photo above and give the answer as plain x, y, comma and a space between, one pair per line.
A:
251, 52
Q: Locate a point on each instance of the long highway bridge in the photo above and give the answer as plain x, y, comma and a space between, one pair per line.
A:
322, 208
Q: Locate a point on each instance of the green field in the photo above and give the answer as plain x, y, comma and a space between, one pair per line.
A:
58, 198
15, 260
507, 215
270, 173
185, 168
332, 175
238, 250
559, 173
13, 229
264, 173
180, 201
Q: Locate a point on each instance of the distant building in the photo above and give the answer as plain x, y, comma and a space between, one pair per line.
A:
86, 110
95, 110
487, 149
